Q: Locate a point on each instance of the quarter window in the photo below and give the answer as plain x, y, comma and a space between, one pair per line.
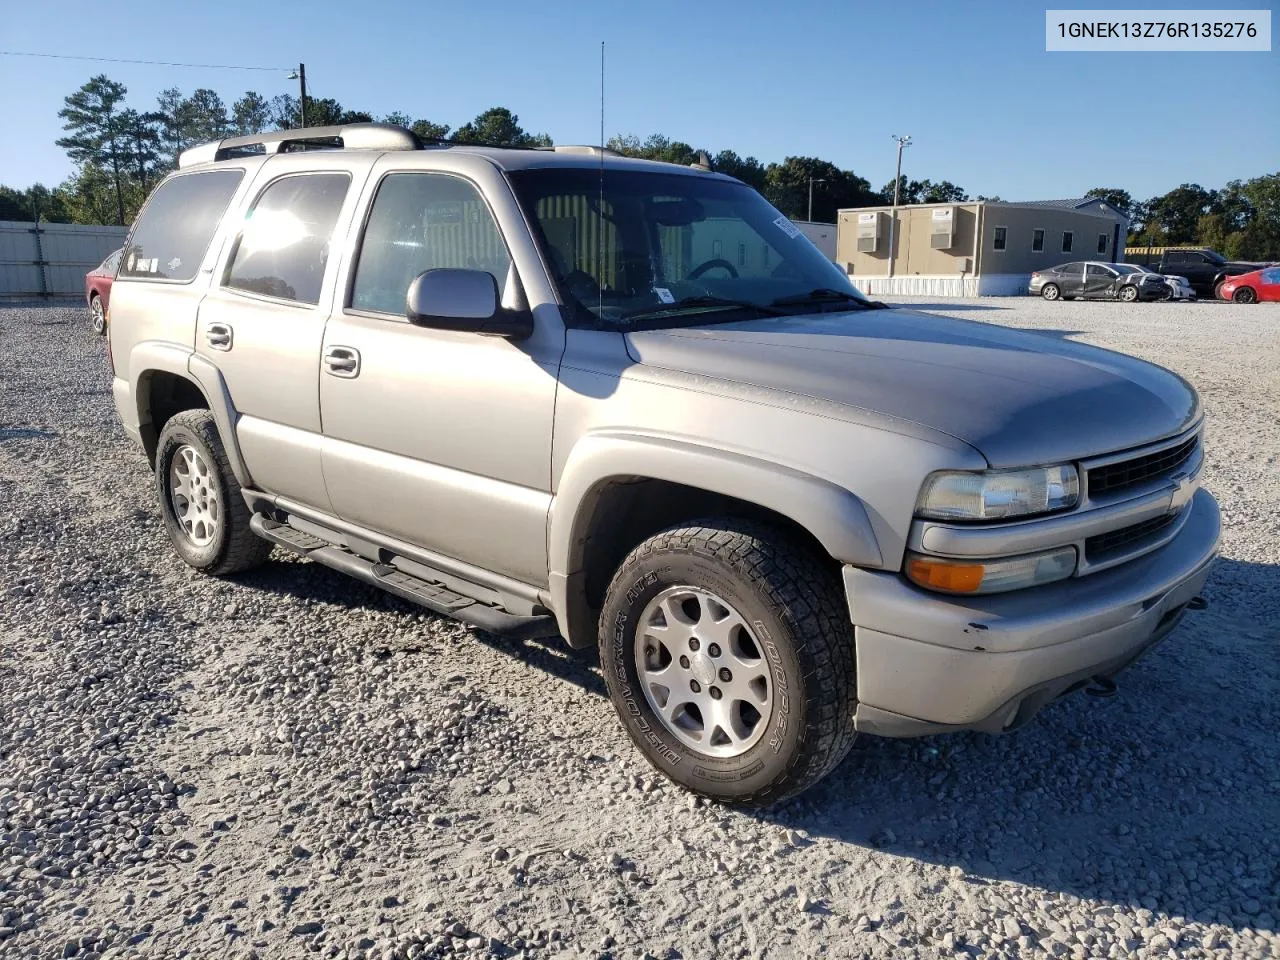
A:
284, 245
1037, 240
175, 229
1067, 239
419, 222
1102, 243
1000, 238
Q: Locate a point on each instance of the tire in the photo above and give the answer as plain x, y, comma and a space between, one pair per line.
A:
97, 315
192, 468
1051, 291
1245, 295
1217, 290
1128, 293
792, 648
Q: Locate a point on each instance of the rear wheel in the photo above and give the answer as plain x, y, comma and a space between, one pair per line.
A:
728, 654
1245, 295
1128, 293
98, 315
1051, 291
204, 512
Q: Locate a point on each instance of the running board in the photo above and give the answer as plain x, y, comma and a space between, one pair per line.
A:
434, 596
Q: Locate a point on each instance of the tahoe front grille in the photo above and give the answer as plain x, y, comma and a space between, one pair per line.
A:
1106, 544
1117, 477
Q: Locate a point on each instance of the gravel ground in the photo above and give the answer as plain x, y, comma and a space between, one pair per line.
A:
294, 764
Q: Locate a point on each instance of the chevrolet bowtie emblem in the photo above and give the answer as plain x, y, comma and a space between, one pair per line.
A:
1184, 488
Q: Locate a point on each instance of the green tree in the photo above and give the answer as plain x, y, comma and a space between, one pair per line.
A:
143, 134
747, 169
35, 201
430, 131
251, 114
1175, 215
89, 196
498, 126
96, 133
787, 188
1120, 199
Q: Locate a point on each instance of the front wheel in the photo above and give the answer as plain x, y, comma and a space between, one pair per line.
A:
1050, 291
1128, 294
98, 315
728, 653
204, 511
1245, 295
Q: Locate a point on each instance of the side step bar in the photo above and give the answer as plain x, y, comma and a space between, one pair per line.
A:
434, 596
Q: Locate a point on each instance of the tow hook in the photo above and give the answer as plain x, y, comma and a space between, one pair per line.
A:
1102, 687
1197, 603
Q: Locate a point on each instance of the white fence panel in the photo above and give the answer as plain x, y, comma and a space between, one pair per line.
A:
51, 259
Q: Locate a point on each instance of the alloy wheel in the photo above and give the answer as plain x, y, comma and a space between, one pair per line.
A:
193, 495
703, 671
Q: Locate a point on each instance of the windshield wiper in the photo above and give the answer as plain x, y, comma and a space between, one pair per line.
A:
700, 302
827, 295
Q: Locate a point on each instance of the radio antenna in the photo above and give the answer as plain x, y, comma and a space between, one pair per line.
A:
600, 206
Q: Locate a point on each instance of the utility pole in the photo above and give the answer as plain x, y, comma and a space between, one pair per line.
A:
904, 141
811, 183
301, 76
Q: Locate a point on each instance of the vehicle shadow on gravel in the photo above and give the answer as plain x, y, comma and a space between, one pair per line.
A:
1163, 797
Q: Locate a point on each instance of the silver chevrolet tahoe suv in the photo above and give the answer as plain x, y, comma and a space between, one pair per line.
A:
563, 392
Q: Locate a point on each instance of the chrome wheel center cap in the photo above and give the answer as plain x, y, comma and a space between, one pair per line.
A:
702, 668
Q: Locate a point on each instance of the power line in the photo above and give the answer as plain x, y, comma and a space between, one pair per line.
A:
152, 63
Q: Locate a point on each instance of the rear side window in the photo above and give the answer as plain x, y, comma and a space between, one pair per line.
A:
173, 234
284, 246
424, 221
1072, 269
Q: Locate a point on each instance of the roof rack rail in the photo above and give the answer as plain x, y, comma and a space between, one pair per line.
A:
589, 150
350, 136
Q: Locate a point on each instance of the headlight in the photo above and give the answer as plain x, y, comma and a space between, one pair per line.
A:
991, 576
998, 494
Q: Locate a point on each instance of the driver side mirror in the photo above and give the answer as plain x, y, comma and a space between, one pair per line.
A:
463, 300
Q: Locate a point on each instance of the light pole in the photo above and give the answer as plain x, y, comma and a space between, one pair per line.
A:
301, 76
903, 141
811, 183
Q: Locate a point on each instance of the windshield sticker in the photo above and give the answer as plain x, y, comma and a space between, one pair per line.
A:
787, 227
664, 294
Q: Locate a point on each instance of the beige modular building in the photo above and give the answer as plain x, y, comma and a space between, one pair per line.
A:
980, 248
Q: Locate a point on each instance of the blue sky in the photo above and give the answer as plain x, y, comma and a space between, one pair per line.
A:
988, 108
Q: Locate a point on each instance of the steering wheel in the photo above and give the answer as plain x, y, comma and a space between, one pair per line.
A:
702, 268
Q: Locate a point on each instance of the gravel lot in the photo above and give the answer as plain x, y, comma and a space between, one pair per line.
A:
294, 764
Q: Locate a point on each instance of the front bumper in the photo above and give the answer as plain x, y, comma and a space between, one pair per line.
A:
931, 664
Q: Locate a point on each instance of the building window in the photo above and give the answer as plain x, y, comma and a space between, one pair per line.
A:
1102, 243
764, 254
1037, 240
999, 239
1067, 238
742, 254
715, 249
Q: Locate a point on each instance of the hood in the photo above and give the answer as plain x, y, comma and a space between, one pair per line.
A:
1018, 398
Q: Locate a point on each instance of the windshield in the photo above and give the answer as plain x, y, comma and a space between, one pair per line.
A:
635, 250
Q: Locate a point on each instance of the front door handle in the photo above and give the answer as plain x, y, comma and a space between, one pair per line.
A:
342, 361
219, 336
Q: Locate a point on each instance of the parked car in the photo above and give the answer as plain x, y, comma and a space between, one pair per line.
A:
783, 514
1178, 287
97, 291
1095, 280
1204, 269
1261, 285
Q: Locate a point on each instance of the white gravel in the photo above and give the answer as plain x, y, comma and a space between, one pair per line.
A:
294, 764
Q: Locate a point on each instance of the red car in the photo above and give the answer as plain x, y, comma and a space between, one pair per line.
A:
97, 290
1262, 284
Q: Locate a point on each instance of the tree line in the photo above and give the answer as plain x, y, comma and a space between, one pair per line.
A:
121, 152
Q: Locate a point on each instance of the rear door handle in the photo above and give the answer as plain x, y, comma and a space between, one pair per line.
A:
342, 361
219, 336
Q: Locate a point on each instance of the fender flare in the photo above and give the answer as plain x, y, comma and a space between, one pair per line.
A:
152, 356
834, 515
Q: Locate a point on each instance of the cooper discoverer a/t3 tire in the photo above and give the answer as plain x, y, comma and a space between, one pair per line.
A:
204, 513
728, 653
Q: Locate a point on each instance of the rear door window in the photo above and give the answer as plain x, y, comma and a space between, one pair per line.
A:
175, 228
283, 249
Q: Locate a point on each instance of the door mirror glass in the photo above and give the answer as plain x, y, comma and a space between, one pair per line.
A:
448, 298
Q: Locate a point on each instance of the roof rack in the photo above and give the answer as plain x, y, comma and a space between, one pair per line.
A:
350, 136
